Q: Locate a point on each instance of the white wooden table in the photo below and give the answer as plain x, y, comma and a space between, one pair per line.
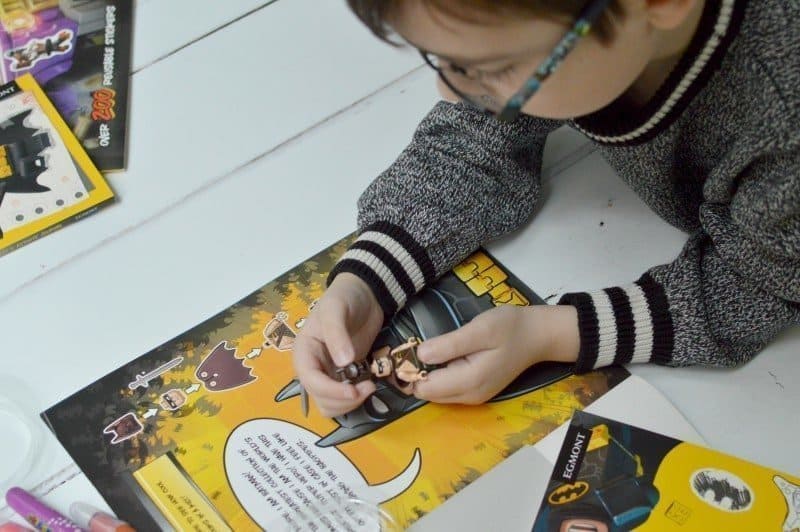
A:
255, 120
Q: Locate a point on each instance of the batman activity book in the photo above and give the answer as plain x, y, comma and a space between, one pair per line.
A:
79, 51
611, 477
46, 178
206, 432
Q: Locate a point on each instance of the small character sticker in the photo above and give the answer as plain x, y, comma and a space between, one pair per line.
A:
221, 370
172, 400
278, 334
35, 50
124, 428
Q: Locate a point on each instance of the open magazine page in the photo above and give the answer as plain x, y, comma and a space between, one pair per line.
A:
206, 432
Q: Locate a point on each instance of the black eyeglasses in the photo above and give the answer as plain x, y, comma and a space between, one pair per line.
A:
454, 76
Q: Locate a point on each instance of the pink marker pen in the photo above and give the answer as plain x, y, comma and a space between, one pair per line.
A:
13, 527
39, 515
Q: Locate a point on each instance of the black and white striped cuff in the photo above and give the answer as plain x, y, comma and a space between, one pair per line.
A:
390, 261
622, 325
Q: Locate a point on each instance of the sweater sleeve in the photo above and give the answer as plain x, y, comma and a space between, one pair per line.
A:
466, 178
732, 289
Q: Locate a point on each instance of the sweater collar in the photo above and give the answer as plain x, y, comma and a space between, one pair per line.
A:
620, 124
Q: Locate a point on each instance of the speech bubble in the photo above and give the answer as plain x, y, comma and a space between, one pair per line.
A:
285, 482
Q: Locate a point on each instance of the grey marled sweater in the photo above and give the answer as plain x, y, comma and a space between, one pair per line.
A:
716, 153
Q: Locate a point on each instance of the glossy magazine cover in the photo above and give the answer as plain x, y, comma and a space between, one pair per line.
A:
46, 177
80, 53
611, 477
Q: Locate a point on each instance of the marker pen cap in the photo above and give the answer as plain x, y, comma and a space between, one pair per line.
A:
94, 520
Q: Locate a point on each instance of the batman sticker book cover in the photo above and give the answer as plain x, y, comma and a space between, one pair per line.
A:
79, 51
613, 477
207, 433
46, 177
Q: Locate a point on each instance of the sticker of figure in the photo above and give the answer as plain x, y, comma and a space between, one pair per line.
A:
124, 428
278, 334
172, 399
25, 57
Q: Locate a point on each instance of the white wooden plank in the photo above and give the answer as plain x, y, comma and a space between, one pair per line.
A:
750, 412
163, 26
204, 111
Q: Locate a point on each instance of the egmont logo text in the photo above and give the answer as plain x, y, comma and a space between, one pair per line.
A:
575, 456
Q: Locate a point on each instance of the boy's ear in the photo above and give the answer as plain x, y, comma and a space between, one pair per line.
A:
668, 14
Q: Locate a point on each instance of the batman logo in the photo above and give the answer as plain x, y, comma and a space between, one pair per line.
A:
568, 493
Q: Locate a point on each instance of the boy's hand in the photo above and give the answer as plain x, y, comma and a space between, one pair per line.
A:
485, 355
340, 329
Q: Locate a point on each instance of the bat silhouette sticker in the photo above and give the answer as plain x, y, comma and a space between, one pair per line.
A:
221, 370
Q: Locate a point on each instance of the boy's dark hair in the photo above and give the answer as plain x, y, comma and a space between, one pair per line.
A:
375, 13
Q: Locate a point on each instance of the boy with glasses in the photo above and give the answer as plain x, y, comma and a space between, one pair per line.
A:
695, 104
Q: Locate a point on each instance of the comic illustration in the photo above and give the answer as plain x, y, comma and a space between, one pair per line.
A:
207, 432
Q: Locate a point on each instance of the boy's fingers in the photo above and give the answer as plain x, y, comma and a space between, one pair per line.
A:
336, 407
456, 344
448, 384
365, 389
321, 386
330, 396
308, 355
